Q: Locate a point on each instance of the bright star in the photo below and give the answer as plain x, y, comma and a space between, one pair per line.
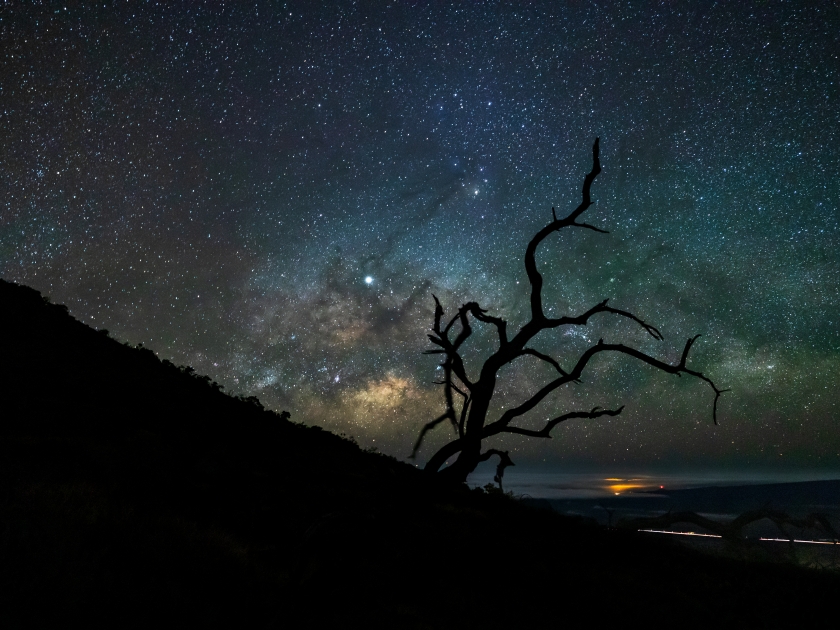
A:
368, 279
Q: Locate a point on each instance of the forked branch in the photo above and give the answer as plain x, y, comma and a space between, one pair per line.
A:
441, 339
471, 420
575, 374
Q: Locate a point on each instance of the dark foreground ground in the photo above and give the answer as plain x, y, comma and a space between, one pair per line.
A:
135, 494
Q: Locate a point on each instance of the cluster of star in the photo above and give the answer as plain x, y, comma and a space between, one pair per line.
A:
272, 192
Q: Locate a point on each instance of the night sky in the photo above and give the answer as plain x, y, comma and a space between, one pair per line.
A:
272, 192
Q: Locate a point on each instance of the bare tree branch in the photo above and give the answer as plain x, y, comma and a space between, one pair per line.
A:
504, 462
582, 320
438, 314
449, 414
481, 315
466, 329
457, 389
444, 453
575, 374
545, 432
450, 408
671, 369
543, 357
586, 201
534, 276
441, 338
665, 367
464, 408
589, 227
447, 386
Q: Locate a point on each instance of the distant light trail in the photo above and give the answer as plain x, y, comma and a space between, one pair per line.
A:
662, 531
810, 542
796, 540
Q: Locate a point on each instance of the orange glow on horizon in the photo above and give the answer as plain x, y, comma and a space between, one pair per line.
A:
618, 488
620, 485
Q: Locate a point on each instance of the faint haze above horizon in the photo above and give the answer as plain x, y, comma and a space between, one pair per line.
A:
272, 192
560, 483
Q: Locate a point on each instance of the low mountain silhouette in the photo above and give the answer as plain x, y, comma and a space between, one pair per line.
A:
135, 493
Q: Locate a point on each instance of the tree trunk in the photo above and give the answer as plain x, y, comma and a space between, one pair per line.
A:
467, 447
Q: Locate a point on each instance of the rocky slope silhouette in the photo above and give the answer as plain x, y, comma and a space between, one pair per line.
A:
136, 493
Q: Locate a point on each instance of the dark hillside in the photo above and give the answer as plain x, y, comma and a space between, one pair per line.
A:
92, 429
68, 379
134, 493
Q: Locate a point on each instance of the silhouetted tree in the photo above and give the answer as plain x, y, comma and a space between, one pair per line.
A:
471, 419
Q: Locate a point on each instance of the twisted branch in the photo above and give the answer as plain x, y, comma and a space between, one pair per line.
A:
481, 315
534, 276
545, 432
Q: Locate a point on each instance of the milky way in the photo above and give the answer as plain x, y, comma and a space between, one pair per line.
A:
272, 193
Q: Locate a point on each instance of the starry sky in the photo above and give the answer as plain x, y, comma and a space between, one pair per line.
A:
272, 192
